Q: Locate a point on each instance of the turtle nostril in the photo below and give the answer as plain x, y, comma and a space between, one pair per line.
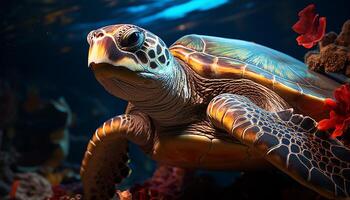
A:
94, 35
98, 34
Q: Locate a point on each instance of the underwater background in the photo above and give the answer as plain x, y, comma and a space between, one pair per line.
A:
51, 103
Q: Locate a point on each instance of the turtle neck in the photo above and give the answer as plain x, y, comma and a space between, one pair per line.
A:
168, 103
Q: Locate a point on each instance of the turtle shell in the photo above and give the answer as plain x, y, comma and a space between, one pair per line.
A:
221, 58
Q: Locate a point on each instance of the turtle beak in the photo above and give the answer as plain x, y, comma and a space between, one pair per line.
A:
104, 52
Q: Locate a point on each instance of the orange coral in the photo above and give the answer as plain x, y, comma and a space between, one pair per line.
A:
124, 195
339, 116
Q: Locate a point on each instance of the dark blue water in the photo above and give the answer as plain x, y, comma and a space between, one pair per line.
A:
43, 44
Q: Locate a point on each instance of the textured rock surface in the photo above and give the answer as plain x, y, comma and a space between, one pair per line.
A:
333, 54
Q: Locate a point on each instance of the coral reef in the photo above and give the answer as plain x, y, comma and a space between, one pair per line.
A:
30, 186
333, 54
66, 192
166, 183
310, 26
205, 187
33, 145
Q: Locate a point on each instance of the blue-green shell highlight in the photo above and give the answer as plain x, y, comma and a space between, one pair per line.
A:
286, 69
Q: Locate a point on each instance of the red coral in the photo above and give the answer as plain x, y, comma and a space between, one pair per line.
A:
64, 192
14, 188
166, 183
310, 27
339, 116
58, 193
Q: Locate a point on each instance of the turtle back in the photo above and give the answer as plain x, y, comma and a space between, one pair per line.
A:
221, 58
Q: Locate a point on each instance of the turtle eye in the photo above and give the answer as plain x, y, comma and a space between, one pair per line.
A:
132, 39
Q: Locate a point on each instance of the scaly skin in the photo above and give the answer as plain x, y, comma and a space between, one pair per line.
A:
289, 141
167, 117
106, 161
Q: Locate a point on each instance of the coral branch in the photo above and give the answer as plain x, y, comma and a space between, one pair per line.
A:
339, 116
310, 26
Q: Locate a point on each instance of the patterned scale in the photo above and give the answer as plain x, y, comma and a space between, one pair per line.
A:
289, 141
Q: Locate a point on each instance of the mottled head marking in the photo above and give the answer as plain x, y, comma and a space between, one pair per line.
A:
126, 58
140, 48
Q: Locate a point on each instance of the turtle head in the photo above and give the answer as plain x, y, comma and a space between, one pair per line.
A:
127, 60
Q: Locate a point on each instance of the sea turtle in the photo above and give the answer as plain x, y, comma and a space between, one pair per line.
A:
210, 103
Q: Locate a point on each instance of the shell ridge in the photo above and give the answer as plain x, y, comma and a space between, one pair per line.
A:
262, 64
246, 64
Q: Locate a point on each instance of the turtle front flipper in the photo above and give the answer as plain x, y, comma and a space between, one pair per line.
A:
291, 142
106, 161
